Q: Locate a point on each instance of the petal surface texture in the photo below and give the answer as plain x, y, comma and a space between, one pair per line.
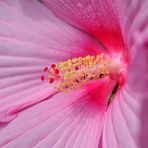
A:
29, 40
33, 114
63, 121
103, 19
126, 122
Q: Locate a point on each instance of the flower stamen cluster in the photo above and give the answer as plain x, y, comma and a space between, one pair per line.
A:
74, 73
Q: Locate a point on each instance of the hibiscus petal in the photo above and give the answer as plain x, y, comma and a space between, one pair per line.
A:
103, 19
137, 18
127, 119
29, 40
122, 123
69, 120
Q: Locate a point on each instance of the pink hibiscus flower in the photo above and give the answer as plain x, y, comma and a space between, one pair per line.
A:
108, 112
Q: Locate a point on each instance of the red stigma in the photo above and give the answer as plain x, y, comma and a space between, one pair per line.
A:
53, 66
51, 80
42, 78
76, 68
45, 69
56, 71
77, 81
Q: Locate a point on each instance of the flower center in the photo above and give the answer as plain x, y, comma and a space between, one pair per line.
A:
74, 73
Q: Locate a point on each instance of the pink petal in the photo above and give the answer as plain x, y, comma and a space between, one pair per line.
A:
137, 21
103, 19
126, 123
31, 38
69, 120
122, 124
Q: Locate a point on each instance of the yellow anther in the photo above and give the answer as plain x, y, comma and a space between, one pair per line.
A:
76, 72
